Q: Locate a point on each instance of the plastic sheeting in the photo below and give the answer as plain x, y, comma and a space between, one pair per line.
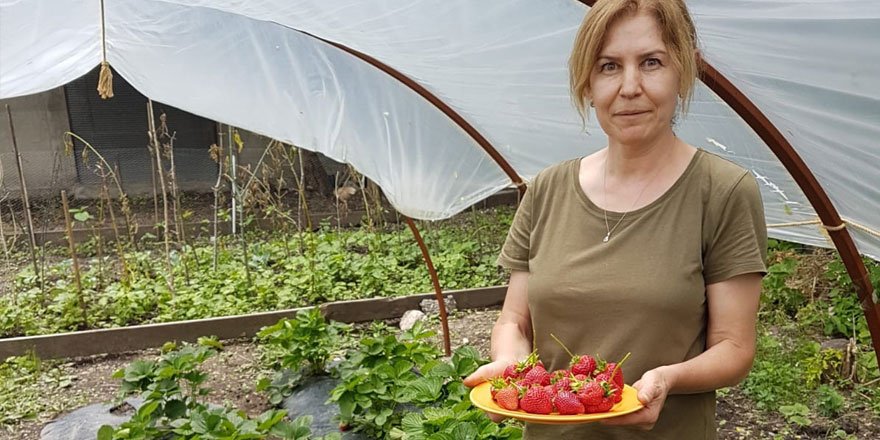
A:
810, 66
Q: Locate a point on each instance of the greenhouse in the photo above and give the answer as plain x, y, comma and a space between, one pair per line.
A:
418, 127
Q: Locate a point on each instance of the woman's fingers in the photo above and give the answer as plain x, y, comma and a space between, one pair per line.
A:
652, 393
485, 373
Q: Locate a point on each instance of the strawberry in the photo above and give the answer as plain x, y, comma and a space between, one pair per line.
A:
580, 364
537, 401
563, 384
519, 369
567, 402
617, 394
558, 374
537, 375
596, 396
591, 394
510, 372
497, 384
604, 406
613, 373
583, 364
508, 398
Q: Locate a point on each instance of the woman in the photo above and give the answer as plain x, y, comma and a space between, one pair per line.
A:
648, 246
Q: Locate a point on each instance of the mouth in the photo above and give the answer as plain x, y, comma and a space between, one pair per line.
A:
631, 113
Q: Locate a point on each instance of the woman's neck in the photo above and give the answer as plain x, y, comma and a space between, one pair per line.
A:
624, 160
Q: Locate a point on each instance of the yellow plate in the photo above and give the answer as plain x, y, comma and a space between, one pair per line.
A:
481, 397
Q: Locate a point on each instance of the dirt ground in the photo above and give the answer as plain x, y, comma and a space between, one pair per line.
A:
234, 372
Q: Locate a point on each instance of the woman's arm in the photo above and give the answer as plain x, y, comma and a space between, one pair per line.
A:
512, 334
730, 351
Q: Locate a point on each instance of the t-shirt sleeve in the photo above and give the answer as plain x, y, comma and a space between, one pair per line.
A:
515, 252
738, 245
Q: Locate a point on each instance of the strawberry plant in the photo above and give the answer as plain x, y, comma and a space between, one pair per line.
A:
457, 422
297, 348
174, 406
376, 379
307, 339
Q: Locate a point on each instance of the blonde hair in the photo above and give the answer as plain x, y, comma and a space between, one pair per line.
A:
676, 27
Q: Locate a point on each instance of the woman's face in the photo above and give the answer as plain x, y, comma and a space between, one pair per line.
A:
634, 85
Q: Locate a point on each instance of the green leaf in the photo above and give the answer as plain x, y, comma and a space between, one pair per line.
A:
211, 342
106, 432
82, 216
426, 389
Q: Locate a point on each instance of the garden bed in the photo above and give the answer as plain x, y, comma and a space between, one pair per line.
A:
235, 370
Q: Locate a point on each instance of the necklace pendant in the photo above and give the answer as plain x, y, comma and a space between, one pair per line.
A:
607, 237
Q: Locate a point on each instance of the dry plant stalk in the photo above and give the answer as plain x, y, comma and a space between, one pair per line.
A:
168, 151
3, 231
216, 153
156, 150
72, 246
32, 243
125, 205
120, 254
15, 226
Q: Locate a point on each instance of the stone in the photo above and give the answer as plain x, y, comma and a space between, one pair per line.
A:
410, 318
835, 344
84, 423
310, 399
431, 307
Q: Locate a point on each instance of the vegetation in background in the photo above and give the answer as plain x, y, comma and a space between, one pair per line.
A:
283, 270
808, 299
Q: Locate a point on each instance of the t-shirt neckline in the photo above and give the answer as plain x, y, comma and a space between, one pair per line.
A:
596, 210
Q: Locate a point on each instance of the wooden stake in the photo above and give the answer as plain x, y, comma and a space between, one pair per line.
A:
72, 246
32, 244
157, 148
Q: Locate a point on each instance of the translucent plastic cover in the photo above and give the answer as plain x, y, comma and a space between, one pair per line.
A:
810, 66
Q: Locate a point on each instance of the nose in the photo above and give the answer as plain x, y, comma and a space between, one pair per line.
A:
632, 83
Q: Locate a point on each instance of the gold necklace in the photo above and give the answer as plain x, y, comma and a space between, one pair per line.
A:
609, 230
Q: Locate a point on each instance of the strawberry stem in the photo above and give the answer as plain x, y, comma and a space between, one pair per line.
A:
563, 345
617, 367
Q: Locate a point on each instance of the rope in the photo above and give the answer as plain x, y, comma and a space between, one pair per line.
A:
105, 78
839, 227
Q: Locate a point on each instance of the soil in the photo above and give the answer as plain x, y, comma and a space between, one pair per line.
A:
234, 373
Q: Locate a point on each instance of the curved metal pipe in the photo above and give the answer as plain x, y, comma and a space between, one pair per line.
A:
808, 183
447, 345
437, 102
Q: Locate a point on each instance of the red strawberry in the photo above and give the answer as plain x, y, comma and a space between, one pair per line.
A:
537, 375
558, 374
617, 394
563, 384
615, 373
567, 403
604, 406
510, 372
591, 394
537, 401
497, 384
508, 398
519, 369
597, 397
583, 364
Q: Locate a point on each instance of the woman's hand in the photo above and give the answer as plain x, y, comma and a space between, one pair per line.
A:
483, 374
652, 388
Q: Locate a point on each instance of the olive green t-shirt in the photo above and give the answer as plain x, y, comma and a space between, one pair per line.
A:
644, 291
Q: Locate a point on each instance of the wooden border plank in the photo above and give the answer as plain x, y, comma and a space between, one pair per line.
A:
139, 337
